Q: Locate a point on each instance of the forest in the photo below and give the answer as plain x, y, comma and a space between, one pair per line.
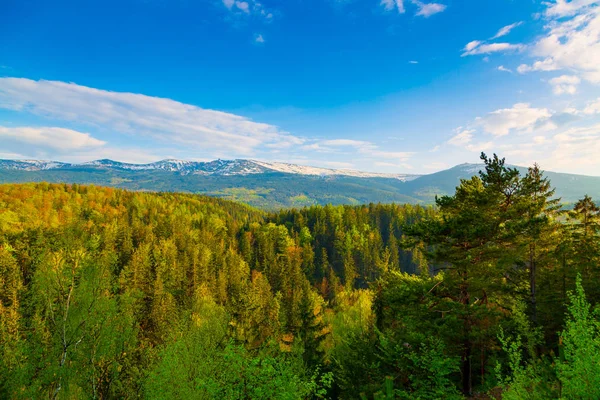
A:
490, 293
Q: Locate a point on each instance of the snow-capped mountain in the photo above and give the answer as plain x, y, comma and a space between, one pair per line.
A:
30, 165
216, 167
304, 170
272, 185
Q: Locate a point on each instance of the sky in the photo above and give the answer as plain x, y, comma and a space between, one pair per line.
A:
399, 86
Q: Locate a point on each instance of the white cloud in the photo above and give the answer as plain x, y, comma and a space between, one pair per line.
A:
11, 156
428, 9
259, 39
61, 139
476, 47
390, 5
163, 120
506, 30
593, 107
413, 62
462, 138
242, 5
565, 84
504, 69
315, 147
479, 147
395, 155
346, 143
248, 7
365, 148
521, 117
577, 149
423, 9
437, 166
472, 45
545, 65
519, 152
563, 8
572, 40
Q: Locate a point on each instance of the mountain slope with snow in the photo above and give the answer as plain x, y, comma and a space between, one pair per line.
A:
272, 185
216, 167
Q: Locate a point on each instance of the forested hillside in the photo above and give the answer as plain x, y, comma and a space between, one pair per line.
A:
268, 191
108, 293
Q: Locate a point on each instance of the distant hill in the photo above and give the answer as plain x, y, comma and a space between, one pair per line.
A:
569, 187
272, 185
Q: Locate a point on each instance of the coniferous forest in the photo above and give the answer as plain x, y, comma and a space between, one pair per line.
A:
491, 293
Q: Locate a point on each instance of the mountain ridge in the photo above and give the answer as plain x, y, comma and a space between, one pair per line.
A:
270, 185
215, 167
232, 167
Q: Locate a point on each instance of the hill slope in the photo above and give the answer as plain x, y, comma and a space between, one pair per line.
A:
272, 185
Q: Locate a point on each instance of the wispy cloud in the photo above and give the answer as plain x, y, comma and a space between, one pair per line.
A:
163, 120
563, 8
571, 41
565, 84
462, 138
244, 6
423, 9
54, 143
504, 69
472, 45
364, 148
544, 65
428, 9
593, 107
61, 139
521, 118
248, 7
390, 5
345, 143
506, 30
576, 148
566, 140
476, 47
259, 38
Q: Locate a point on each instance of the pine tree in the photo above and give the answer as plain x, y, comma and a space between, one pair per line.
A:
535, 223
471, 243
581, 247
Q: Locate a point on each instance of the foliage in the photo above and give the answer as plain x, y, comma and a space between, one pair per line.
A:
579, 366
114, 294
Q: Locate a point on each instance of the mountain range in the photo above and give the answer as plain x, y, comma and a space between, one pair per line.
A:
271, 185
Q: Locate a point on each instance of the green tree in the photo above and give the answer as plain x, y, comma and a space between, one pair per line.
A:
579, 367
472, 242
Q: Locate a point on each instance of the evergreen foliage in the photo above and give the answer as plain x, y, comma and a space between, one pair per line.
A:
107, 293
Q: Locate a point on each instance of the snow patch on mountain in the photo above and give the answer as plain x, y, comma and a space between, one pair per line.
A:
306, 170
30, 165
216, 167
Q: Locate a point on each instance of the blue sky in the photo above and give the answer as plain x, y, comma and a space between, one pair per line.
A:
379, 85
